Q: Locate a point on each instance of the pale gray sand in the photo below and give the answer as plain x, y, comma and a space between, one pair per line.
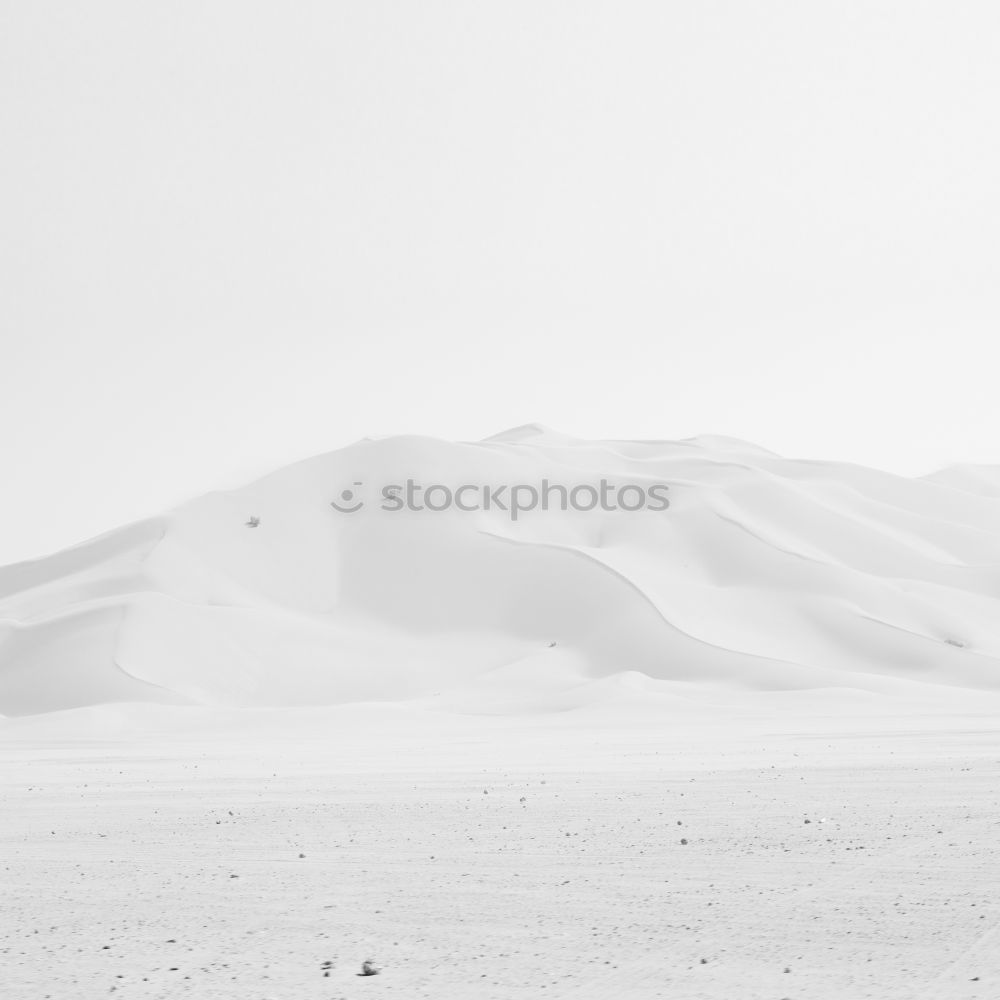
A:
170, 866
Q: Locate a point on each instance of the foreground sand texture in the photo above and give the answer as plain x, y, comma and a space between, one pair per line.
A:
486, 859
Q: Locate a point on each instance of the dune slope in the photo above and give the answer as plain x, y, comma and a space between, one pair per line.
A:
763, 573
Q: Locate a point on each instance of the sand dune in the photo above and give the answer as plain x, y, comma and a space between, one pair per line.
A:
764, 574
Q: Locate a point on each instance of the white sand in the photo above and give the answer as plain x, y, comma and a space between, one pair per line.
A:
119, 852
765, 573
188, 705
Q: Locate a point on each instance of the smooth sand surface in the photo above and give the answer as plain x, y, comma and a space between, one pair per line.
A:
764, 573
269, 855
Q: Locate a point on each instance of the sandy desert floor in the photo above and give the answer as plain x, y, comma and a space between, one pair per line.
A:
488, 858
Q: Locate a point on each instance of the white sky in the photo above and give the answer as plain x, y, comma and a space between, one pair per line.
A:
235, 234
